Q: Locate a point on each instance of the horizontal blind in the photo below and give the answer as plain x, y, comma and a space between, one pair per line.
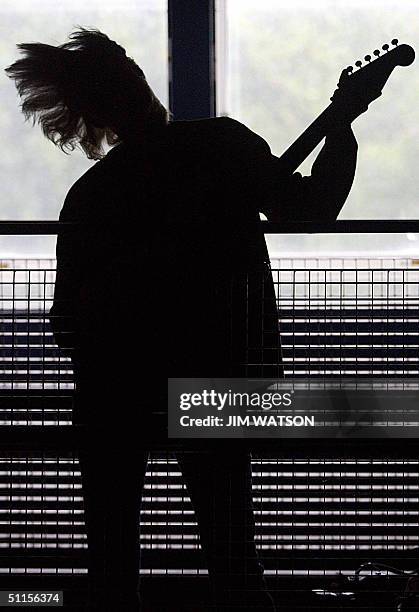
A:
312, 515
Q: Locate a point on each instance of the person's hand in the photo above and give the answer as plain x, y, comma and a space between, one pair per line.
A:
348, 104
347, 108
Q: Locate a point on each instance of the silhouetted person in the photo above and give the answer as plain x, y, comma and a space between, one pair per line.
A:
166, 275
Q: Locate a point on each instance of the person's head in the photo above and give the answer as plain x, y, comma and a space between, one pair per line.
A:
84, 91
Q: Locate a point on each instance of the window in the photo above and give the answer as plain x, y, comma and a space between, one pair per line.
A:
279, 65
35, 176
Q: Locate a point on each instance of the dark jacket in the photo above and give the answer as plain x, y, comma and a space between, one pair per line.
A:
167, 273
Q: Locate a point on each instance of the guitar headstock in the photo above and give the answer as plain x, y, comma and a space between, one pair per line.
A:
365, 83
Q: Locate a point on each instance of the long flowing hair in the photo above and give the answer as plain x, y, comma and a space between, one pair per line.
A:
60, 86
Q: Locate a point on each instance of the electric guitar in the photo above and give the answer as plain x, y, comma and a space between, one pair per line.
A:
356, 89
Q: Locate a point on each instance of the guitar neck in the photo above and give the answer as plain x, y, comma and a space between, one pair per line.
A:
360, 87
307, 142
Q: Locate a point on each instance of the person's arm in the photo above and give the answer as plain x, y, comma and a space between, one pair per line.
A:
321, 195
63, 314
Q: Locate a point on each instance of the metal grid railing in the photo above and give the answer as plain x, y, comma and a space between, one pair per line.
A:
349, 322
332, 322
315, 515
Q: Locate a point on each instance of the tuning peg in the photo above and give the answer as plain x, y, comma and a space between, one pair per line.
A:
358, 64
394, 42
350, 69
377, 52
385, 47
367, 58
